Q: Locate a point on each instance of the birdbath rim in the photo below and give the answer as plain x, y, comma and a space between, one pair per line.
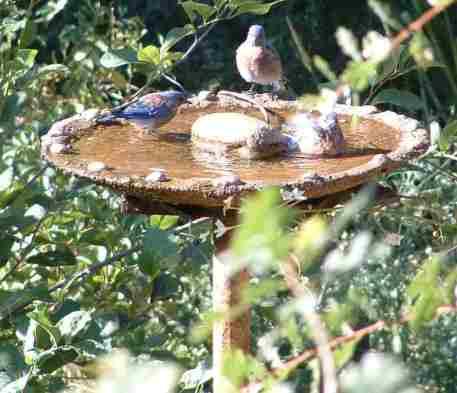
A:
206, 192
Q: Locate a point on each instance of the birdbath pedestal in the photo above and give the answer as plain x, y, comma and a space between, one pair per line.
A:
165, 173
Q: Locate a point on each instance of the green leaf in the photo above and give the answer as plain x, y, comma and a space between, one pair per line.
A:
261, 240
402, 98
53, 359
26, 57
13, 106
174, 36
41, 316
10, 301
60, 257
358, 74
118, 57
194, 9
343, 353
27, 34
324, 68
425, 293
447, 135
71, 325
52, 69
165, 286
6, 242
149, 54
253, 7
51, 9
6, 179
160, 247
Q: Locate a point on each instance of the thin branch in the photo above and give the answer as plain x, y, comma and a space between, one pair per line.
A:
419, 23
358, 334
317, 328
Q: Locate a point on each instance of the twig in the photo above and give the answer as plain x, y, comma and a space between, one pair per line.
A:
413, 27
419, 23
358, 334
245, 98
316, 326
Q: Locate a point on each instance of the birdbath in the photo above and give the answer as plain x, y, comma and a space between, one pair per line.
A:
164, 173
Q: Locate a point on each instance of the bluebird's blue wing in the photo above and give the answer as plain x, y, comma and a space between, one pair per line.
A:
140, 110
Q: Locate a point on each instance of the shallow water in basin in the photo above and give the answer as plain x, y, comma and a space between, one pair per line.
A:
131, 153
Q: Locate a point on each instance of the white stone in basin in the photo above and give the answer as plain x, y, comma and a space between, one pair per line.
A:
232, 129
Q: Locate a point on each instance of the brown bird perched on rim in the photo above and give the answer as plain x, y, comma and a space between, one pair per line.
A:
257, 62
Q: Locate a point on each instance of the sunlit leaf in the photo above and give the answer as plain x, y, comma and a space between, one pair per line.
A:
447, 135
71, 325
194, 9
52, 69
118, 57
358, 74
425, 294
252, 7
149, 54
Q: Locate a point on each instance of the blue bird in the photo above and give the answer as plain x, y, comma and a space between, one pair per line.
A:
148, 112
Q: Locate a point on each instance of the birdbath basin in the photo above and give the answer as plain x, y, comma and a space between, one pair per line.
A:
165, 173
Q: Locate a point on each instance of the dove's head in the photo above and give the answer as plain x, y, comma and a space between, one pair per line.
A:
256, 36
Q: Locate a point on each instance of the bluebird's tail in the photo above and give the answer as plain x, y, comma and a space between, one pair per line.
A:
106, 119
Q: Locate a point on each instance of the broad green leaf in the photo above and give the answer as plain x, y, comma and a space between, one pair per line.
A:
10, 301
161, 247
425, 293
253, 7
52, 69
60, 257
71, 325
6, 179
165, 286
26, 57
27, 34
402, 98
174, 36
13, 106
6, 242
194, 9
149, 54
447, 135
148, 265
55, 358
118, 57
41, 316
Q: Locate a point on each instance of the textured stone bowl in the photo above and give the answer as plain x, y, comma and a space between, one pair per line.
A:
165, 169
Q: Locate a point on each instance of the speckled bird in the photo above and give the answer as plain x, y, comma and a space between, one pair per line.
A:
148, 112
257, 62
